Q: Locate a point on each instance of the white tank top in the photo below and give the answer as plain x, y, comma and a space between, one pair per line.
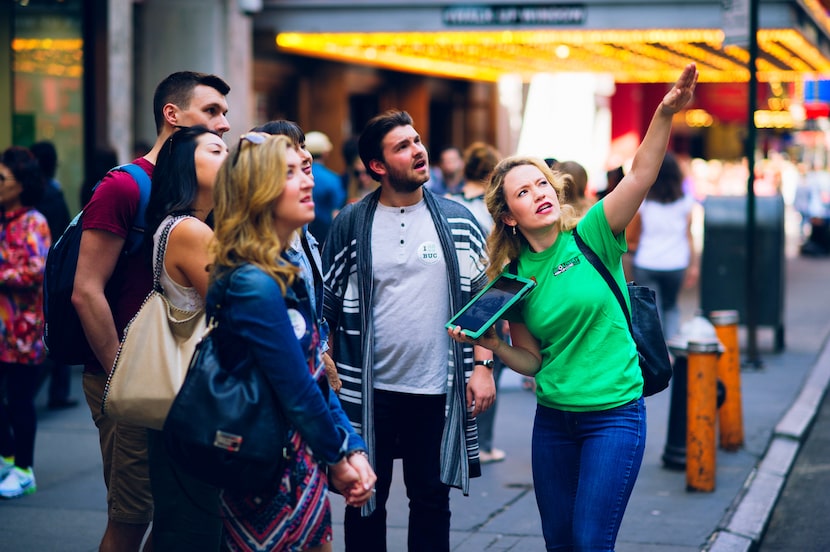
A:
182, 297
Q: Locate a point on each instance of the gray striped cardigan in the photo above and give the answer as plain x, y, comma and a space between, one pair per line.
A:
347, 267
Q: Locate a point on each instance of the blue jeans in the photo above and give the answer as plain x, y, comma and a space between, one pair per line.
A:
584, 468
407, 427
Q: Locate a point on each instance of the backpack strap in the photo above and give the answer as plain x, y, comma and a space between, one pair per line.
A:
136, 234
606, 275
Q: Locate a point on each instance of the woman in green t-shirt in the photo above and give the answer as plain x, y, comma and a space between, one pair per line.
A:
571, 335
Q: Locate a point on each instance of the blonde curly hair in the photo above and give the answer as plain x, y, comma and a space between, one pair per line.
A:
503, 245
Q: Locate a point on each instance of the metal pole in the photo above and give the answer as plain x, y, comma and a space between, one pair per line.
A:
751, 291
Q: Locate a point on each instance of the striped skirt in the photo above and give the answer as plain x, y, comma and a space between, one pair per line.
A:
296, 516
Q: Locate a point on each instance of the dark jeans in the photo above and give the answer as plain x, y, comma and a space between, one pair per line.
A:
407, 427
186, 512
666, 285
18, 420
585, 465
487, 420
59, 383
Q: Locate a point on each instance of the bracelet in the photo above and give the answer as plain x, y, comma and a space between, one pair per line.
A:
361, 452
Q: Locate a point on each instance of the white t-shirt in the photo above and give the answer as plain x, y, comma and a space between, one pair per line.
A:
411, 302
664, 240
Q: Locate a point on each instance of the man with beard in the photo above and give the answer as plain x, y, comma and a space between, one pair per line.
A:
397, 264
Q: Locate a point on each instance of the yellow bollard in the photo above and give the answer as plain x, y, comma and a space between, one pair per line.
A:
730, 413
701, 415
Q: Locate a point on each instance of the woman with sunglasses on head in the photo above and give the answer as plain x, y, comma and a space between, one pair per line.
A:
24, 244
186, 511
572, 336
263, 312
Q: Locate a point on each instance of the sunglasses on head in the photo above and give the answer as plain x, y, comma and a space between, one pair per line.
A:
255, 138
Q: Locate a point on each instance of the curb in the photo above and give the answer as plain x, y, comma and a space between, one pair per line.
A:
743, 526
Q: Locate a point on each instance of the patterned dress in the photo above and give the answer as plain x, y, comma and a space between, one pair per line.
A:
296, 515
24, 244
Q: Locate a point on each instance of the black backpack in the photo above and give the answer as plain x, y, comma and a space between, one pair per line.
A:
63, 334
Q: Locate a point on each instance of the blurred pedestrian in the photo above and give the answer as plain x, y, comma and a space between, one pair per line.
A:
612, 178
53, 203
350, 153
329, 195
411, 392
570, 333
479, 161
53, 206
664, 258
24, 244
262, 199
576, 183
813, 203
360, 183
451, 169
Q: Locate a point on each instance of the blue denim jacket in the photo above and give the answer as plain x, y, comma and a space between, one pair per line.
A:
257, 324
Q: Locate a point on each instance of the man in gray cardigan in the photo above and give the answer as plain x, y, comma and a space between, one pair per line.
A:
397, 265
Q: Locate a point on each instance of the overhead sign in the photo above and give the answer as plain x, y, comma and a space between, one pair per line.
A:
523, 14
736, 22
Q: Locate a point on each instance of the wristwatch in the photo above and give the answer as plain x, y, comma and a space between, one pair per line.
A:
486, 363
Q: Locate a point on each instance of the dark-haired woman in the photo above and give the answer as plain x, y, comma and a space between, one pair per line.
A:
664, 256
24, 243
186, 511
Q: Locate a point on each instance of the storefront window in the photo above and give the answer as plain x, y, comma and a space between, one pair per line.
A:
47, 77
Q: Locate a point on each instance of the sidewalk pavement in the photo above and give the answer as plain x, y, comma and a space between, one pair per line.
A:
779, 402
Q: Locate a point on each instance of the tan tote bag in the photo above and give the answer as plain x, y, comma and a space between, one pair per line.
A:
153, 357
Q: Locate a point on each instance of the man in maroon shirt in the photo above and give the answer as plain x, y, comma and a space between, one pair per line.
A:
109, 289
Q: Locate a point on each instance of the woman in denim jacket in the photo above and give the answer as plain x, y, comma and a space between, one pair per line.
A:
264, 315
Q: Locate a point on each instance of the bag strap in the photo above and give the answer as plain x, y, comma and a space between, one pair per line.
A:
158, 263
136, 234
606, 275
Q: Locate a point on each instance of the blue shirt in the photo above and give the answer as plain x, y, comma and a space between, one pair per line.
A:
329, 196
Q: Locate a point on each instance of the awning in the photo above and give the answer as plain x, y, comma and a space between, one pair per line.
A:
634, 42
785, 55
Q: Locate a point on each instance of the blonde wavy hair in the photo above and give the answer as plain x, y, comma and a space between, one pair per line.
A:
502, 244
248, 185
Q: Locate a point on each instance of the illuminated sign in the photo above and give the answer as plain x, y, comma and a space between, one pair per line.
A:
533, 14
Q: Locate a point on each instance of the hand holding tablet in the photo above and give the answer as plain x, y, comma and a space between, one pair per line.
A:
490, 304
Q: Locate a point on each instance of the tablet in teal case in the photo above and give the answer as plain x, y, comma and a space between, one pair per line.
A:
490, 304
